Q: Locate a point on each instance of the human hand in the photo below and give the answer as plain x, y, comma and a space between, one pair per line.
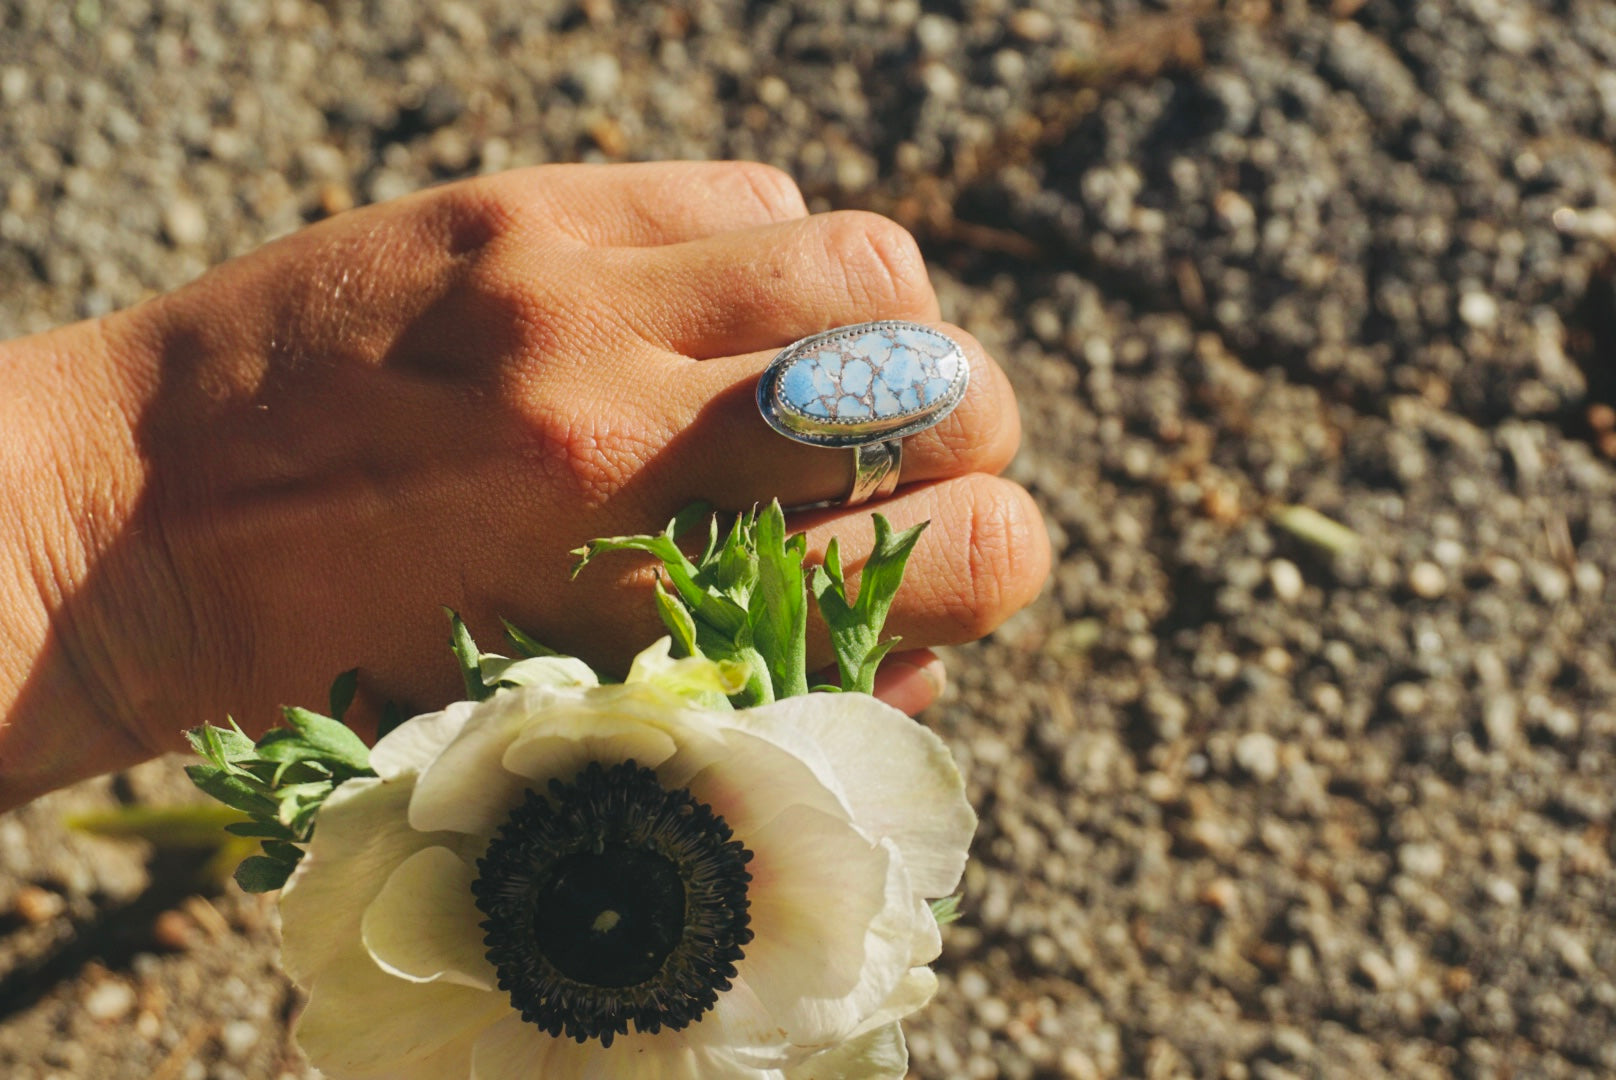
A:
432, 401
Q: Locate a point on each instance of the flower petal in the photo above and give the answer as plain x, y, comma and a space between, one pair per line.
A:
465, 788
424, 925
876, 1055
748, 780
918, 986
832, 914
896, 777
571, 738
362, 836
694, 678
410, 746
361, 1021
515, 1050
535, 671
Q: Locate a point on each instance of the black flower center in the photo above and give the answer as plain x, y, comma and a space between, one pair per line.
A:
613, 900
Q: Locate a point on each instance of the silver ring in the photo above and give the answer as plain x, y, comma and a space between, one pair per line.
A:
866, 388
875, 471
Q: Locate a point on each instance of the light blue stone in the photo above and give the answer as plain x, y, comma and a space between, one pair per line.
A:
856, 377
863, 383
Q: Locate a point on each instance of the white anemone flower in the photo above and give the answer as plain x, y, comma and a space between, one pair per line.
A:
569, 880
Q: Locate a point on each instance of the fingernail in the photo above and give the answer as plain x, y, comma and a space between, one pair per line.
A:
935, 672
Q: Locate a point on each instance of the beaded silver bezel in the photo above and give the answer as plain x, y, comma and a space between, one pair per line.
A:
817, 431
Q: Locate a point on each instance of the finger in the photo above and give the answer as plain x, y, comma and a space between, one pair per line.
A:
910, 681
765, 287
650, 204
984, 557
722, 451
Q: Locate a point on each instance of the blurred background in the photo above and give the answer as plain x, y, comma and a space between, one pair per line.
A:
1304, 764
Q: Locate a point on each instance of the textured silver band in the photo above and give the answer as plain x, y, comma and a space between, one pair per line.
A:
875, 471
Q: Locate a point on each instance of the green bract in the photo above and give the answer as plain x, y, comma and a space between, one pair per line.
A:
745, 599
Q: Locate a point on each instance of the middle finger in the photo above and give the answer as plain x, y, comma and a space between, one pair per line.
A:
762, 288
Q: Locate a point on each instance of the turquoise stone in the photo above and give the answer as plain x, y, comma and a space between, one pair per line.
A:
857, 384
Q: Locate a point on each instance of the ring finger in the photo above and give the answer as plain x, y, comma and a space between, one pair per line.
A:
730, 457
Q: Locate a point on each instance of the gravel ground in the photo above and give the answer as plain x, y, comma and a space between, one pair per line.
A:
1305, 763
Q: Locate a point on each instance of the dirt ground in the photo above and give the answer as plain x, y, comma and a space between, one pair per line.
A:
1304, 764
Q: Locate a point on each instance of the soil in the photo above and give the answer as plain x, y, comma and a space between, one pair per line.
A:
1304, 765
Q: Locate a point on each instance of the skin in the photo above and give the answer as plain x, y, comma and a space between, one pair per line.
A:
213, 502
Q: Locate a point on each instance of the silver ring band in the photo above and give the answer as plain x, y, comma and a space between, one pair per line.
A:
875, 471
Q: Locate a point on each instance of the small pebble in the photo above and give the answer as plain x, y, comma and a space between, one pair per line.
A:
184, 223
1031, 25
597, 77
35, 905
1423, 861
1257, 752
237, 1038
1427, 581
1286, 580
1220, 893
1478, 310
174, 930
110, 1000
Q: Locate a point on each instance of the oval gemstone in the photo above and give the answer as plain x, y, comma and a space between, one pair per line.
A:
880, 380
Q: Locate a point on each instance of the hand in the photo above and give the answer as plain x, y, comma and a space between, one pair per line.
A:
311, 450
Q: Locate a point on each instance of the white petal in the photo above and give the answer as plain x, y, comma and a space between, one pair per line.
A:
695, 678
914, 990
465, 788
424, 924
876, 1055
927, 943
362, 836
535, 671
408, 747
451, 1061
833, 918
575, 736
516, 1050
748, 780
895, 776
745, 1029
361, 1021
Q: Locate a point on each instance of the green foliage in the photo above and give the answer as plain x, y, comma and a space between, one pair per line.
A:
855, 628
744, 599
279, 782
946, 910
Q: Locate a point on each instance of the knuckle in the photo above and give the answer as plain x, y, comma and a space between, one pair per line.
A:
773, 189
880, 262
586, 454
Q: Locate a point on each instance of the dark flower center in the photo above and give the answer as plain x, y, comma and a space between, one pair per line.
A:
613, 900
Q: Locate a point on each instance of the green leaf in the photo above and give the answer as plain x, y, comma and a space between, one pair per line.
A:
242, 793
689, 518
261, 874
465, 651
947, 909
676, 617
343, 688
223, 747
855, 628
779, 608
282, 851
298, 803
260, 830
526, 645
333, 741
